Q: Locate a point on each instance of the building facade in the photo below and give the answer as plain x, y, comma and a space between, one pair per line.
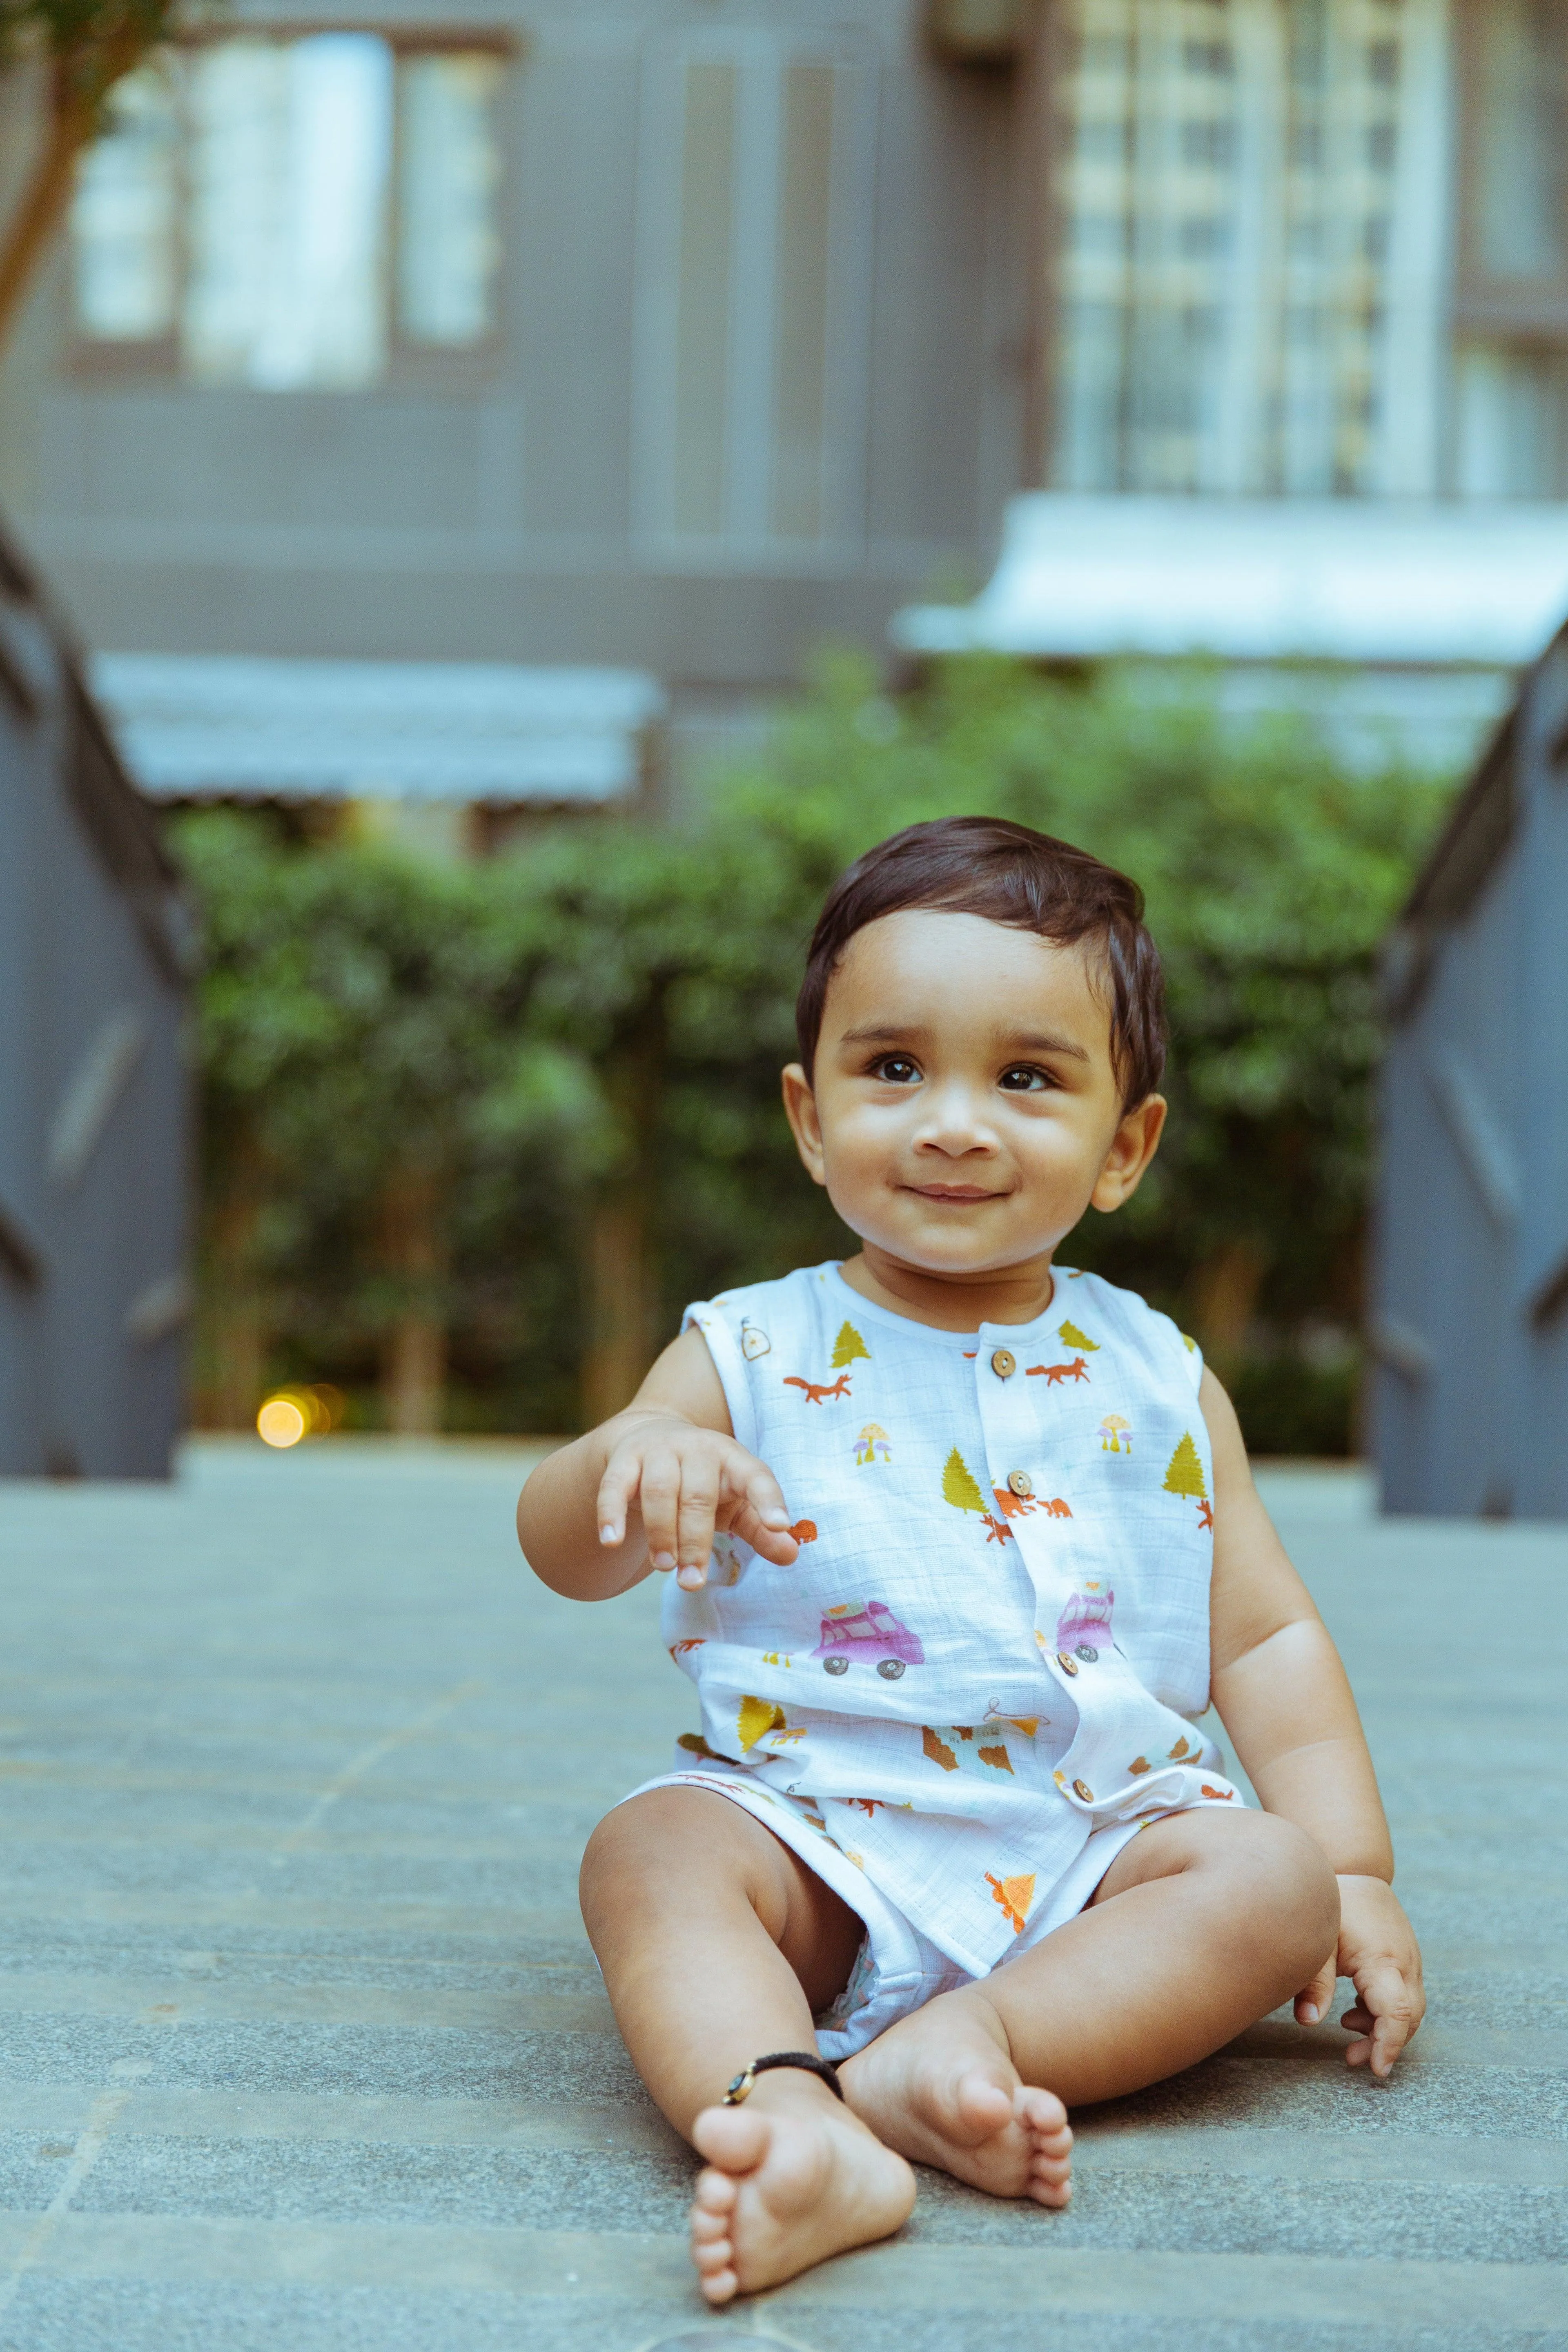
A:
676, 338
683, 335
1469, 1327
96, 1147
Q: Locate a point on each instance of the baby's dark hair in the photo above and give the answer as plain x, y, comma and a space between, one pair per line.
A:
1009, 873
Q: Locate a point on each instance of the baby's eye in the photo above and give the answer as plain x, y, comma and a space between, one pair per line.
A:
1023, 1078
896, 1070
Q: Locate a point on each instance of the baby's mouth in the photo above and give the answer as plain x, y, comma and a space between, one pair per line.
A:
952, 1191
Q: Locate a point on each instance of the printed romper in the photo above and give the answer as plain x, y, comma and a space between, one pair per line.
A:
979, 1678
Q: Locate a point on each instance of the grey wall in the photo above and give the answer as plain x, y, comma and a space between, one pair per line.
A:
491, 516
1470, 1397
94, 1117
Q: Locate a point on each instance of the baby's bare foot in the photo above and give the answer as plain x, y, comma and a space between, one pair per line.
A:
940, 2088
792, 2178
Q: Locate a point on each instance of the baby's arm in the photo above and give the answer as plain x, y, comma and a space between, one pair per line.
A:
647, 1488
1284, 1697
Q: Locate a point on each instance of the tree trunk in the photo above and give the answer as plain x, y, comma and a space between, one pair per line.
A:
619, 1349
234, 1300
42, 204
622, 1285
414, 1350
80, 79
1227, 1290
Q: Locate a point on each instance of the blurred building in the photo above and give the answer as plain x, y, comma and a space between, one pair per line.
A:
1469, 1328
95, 1145
678, 336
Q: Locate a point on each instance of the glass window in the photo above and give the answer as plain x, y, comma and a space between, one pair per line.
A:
448, 249
1510, 437
755, 205
1231, 189
288, 213
126, 225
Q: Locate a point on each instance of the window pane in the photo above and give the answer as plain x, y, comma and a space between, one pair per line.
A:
1519, 225
707, 224
291, 150
124, 216
800, 387
757, 187
1227, 190
449, 179
1513, 432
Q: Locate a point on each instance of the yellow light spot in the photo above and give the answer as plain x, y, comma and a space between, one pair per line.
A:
281, 1422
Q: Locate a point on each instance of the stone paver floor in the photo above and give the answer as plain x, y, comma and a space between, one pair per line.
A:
302, 2046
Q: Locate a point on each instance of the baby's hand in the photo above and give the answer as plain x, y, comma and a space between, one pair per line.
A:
1378, 1951
688, 1481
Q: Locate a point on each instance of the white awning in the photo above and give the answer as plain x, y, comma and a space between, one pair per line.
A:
1339, 580
209, 726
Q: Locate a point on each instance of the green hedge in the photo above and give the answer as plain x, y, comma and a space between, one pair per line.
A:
535, 1101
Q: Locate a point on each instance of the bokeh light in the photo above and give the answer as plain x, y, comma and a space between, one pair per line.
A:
281, 1422
290, 1414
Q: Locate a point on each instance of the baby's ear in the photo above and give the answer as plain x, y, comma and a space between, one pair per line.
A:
800, 1110
1134, 1144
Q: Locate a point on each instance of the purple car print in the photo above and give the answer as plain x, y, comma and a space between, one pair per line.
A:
872, 1633
1084, 1625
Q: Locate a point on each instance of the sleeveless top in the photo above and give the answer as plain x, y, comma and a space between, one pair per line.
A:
995, 1636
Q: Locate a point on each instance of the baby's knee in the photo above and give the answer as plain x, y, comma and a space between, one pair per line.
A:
675, 1852
1293, 1893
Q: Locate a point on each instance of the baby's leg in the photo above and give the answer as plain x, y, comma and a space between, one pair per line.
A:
1203, 1923
717, 1945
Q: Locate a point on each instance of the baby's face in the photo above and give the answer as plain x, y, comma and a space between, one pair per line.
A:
965, 1110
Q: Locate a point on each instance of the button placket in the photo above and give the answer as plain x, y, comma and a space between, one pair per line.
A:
1010, 1420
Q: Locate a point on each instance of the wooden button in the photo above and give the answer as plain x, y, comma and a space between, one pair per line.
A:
1081, 1788
1020, 1483
1068, 1665
1003, 1363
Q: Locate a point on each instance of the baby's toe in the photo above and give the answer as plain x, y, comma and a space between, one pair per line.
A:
730, 2138
1042, 2111
709, 2221
712, 2255
713, 2200
719, 2286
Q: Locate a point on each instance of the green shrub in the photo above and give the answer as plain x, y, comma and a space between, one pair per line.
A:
570, 1056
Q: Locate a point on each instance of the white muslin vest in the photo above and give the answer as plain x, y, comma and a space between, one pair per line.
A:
979, 1678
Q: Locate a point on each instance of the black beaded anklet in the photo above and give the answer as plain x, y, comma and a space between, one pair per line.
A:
806, 2060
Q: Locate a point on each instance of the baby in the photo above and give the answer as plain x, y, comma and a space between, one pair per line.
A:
963, 1544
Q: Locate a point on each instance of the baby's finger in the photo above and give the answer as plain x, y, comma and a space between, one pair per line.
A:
660, 1501
764, 1496
694, 1526
774, 1543
770, 1513
623, 1474
1314, 1999
1382, 2014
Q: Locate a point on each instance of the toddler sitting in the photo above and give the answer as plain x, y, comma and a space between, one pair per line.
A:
963, 1544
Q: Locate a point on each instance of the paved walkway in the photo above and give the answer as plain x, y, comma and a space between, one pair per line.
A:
302, 2048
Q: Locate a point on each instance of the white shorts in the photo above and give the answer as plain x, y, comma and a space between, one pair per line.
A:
897, 1969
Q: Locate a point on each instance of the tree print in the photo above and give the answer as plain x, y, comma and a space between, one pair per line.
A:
958, 1487
1071, 1336
847, 1346
1186, 1475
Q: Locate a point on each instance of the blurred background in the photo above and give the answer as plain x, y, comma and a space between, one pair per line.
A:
504, 501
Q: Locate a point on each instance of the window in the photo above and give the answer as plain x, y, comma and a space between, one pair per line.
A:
755, 205
1511, 365
293, 215
1249, 196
